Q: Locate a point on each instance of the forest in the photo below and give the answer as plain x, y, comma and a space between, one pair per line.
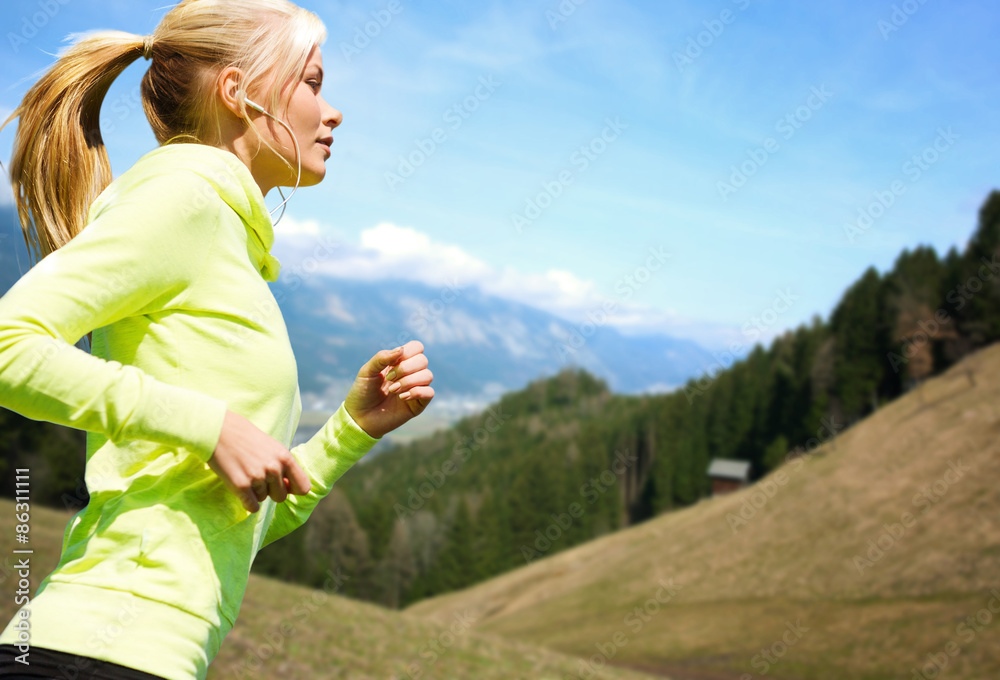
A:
564, 461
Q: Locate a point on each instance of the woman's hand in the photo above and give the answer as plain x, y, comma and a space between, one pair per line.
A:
254, 465
374, 401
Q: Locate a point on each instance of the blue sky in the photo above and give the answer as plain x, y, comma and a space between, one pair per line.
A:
623, 123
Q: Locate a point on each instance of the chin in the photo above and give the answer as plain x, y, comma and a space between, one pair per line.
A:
311, 179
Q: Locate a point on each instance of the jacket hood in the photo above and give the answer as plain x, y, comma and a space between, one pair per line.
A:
235, 185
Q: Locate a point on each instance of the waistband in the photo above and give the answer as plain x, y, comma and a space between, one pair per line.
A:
121, 628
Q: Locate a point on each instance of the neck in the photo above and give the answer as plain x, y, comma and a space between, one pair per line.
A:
249, 152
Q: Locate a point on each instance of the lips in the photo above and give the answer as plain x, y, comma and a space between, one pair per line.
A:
326, 143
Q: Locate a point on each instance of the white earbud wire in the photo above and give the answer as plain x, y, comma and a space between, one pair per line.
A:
298, 157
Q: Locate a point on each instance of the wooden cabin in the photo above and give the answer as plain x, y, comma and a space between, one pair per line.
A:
728, 475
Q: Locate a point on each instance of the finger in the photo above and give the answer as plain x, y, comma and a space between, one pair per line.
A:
299, 483
412, 348
378, 363
421, 394
423, 377
276, 487
411, 365
249, 500
259, 489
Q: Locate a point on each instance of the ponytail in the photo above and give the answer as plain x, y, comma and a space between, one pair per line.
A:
59, 163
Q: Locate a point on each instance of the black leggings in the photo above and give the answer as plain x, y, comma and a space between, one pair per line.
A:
48, 664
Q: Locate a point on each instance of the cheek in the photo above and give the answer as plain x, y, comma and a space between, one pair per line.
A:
307, 115
314, 113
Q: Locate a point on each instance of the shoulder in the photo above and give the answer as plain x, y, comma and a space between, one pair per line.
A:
181, 177
159, 203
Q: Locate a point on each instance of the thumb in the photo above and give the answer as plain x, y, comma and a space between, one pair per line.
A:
386, 357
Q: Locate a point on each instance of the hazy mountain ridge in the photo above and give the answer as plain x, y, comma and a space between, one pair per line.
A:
480, 345
13, 253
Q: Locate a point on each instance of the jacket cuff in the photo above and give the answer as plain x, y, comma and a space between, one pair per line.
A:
354, 441
331, 451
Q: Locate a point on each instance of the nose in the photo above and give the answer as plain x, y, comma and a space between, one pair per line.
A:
331, 116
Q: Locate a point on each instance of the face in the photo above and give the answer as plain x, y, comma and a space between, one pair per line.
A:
310, 118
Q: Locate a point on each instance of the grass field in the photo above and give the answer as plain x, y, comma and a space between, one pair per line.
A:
862, 560
870, 558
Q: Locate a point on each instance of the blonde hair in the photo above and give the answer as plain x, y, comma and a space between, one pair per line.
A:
59, 163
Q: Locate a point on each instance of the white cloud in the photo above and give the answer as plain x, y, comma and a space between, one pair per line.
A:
396, 250
290, 226
336, 309
388, 251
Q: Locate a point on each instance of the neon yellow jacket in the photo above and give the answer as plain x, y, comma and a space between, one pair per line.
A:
171, 274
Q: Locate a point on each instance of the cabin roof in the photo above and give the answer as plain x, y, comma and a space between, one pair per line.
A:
729, 469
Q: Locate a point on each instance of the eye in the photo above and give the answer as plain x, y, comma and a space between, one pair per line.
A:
315, 84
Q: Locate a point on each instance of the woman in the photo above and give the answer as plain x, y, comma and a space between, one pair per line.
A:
190, 394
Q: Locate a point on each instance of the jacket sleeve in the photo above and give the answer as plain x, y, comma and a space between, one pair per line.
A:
140, 252
325, 458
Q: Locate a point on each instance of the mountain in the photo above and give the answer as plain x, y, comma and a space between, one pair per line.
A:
13, 253
480, 346
874, 555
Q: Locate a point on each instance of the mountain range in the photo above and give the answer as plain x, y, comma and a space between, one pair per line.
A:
480, 346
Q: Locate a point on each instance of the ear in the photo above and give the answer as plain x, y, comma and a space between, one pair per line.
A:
227, 87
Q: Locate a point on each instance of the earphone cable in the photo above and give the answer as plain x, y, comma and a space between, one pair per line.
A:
298, 157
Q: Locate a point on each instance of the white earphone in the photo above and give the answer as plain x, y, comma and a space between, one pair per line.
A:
254, 105
298, 155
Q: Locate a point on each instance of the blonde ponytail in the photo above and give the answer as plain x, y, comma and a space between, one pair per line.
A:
59, 164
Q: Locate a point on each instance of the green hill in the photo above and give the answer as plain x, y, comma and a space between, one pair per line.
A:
870, 557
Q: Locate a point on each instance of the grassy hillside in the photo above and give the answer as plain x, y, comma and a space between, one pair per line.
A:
453, 509
871, 558
319, 635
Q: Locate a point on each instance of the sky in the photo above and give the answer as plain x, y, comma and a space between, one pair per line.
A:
720, 171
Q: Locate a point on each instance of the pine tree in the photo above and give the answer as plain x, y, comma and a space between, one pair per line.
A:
485, 542
334, 540
976, 293
452, 568
862, 345
398, 568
